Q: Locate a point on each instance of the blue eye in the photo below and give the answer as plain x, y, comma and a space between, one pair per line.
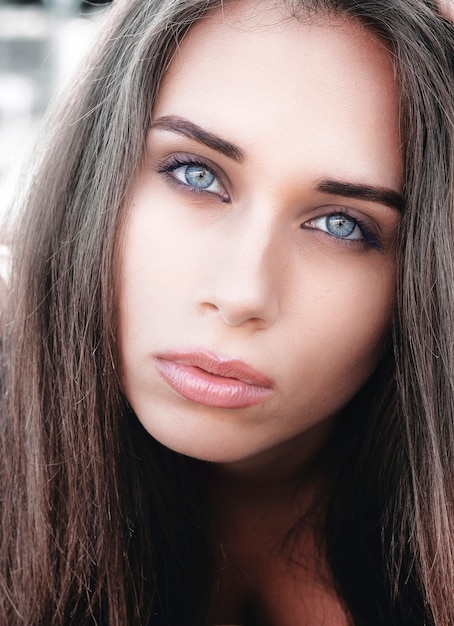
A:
195, 176
343, 227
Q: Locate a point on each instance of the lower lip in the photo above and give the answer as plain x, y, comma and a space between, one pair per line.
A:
208, 389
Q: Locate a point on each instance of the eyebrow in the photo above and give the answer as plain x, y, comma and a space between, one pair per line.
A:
382, 195
188, 129
183, 126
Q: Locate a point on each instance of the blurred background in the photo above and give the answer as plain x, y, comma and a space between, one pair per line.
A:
41, 42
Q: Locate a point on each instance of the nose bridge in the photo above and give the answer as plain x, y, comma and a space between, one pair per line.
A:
244, 280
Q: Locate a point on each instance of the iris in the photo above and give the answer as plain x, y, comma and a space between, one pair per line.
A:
340, 225
198, 176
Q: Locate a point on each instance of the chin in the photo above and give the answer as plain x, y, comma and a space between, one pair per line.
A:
218, 453
211, 447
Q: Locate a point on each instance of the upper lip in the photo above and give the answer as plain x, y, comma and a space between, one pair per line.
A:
219, 366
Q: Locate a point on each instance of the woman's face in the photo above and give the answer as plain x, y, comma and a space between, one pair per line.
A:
258, 267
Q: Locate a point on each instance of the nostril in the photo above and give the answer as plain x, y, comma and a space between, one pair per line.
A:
209, 306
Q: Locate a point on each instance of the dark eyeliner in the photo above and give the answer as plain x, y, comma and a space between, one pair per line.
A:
369, 237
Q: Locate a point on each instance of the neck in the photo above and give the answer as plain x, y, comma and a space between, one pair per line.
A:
257, 502
285, 466
278, 484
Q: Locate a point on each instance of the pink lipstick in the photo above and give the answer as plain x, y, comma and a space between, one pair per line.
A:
208, 379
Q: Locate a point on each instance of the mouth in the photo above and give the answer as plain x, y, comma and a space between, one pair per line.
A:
207, 379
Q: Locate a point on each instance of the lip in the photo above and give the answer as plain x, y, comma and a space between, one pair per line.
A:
208, 379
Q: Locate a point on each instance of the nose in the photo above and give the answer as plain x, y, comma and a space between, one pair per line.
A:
242, 282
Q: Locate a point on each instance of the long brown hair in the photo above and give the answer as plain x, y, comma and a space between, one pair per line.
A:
99, 523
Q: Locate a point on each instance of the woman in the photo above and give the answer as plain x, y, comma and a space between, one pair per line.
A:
228, 359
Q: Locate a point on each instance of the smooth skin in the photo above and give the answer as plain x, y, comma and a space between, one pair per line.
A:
273, 243
446, 8
246, 268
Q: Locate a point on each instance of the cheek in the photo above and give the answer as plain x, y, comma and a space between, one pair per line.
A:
153, 259
156, 276
341, 330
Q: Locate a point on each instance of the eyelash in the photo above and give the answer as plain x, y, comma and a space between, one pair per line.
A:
177, 161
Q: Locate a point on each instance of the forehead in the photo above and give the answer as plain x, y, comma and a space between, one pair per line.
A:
251, 67
239, 30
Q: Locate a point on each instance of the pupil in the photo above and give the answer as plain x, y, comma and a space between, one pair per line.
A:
198, 176
340, 226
